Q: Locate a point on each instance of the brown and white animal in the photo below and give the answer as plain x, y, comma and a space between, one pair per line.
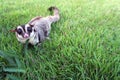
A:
37, 29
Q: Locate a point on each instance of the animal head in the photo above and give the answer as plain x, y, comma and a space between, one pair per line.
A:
24, 32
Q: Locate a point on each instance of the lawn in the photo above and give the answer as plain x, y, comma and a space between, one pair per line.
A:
84, 44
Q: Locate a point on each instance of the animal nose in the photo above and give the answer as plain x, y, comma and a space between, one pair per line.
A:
26, 35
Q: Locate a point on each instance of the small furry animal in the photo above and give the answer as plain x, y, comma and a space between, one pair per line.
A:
37, 29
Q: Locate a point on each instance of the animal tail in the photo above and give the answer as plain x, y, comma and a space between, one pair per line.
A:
55, 17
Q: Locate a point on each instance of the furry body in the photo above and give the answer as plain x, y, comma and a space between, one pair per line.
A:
37, 29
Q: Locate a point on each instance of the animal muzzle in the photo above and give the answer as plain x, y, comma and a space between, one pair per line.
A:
26, 35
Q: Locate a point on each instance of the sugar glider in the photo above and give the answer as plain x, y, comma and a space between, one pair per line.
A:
37, 29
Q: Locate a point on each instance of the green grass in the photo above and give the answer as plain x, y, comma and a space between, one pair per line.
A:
84, 45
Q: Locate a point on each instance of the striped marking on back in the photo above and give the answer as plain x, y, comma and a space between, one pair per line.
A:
34, 19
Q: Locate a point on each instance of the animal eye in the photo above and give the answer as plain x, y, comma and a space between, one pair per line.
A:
29, 29
19, 31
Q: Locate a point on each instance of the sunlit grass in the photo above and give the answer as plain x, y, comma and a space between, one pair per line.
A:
84, 45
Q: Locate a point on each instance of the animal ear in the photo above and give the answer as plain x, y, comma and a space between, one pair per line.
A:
14, 30
31, 25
